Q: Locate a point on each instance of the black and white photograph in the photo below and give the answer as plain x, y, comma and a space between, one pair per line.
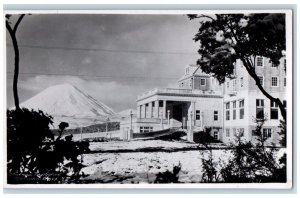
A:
148, 98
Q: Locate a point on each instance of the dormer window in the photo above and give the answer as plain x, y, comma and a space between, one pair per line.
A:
187, 70
202, 81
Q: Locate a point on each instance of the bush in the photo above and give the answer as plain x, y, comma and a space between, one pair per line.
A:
33, 156
168, 176
249, 163
254, 163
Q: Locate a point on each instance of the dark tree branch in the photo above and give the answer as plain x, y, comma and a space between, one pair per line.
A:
252, 73
18, 23
249, 65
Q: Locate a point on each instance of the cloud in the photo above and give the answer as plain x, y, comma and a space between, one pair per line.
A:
41, 82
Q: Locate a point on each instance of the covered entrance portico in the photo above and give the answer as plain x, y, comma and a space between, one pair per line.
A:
176, 106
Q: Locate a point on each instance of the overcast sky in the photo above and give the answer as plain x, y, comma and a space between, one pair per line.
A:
111, 57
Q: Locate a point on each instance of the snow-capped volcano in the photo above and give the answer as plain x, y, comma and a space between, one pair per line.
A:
67, 103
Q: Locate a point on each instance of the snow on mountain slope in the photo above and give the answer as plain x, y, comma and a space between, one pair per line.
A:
67, 103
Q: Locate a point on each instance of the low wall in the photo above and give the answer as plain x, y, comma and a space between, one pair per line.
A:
151, 134
110, 134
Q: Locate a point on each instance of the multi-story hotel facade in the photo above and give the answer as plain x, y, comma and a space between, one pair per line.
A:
200, 102
244, 103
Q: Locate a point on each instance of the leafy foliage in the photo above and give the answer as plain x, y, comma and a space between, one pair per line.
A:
249, 163
33, 156
226, 38
282, 132
204, 137
254, 163
210, 172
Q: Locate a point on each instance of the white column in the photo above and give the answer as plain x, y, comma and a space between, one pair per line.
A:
194, 113
143, 111
156, 111
164, 109
202, 118
139, 111
169, 118
150, 110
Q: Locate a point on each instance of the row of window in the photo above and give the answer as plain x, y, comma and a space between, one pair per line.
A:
145, 129
260, 113
235, 132
274, 81
260, 62
215, 116
274, 109
267, 132
241, 104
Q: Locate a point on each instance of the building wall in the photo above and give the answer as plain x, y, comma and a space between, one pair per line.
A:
249, 93
240, 87
207, 106
197, 83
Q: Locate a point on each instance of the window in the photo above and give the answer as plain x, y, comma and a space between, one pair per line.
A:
274, 81
259, 108
216, 135
145, 129
284, 104
260, 61
241, 132
284, 63
187, 70
216, 115
274, 110
234, 131
227, 85
241, 106
234, 85
234, 104
261, 80
242, 81
197, 114
202, 81
227, 133
267, 133
284, 82
227, 111
234, 110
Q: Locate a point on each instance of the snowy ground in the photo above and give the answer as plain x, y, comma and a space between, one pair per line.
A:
135, 166
138, 144
142, 167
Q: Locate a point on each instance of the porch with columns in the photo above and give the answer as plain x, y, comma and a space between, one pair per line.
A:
153, 109
179, 113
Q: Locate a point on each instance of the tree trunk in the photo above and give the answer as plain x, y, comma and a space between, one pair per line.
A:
12, 33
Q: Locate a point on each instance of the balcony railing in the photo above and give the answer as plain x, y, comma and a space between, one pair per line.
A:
175, 92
